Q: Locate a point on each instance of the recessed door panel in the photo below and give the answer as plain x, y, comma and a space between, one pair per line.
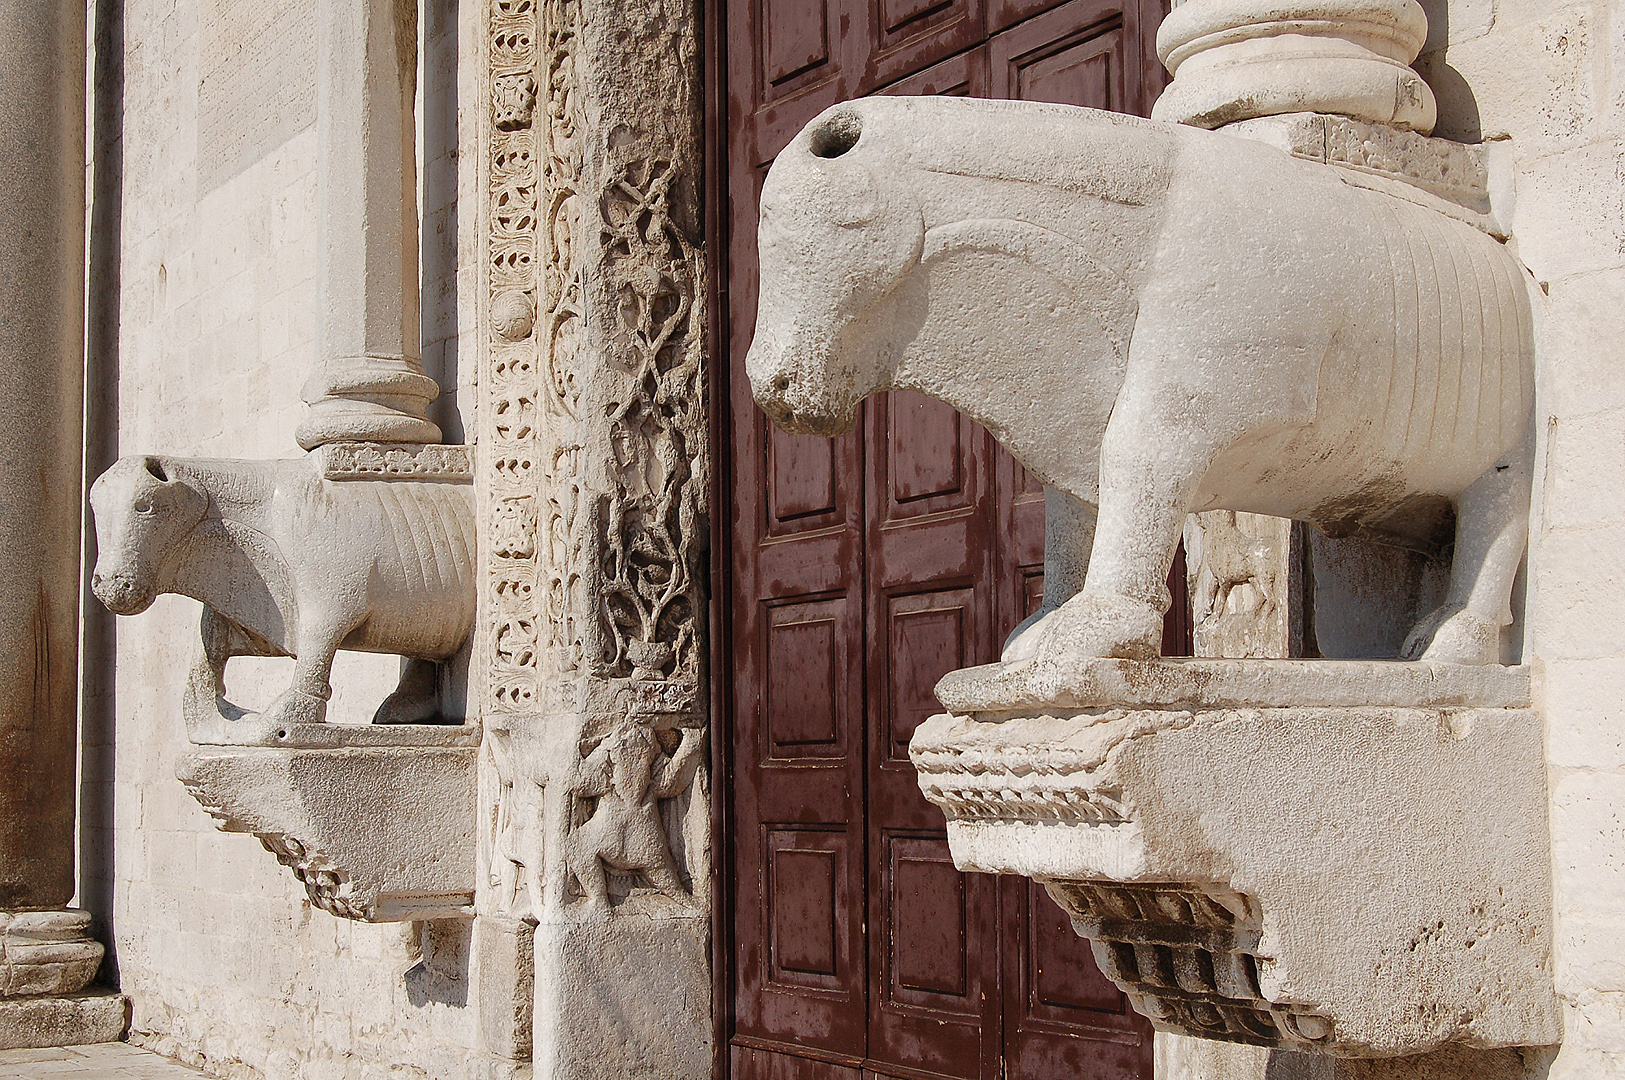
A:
806, 679
929, 635
803, 899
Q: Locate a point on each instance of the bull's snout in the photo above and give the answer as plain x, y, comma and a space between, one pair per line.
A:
120, 593
794, 406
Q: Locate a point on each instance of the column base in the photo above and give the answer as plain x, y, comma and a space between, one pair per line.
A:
77, 1020
46, 953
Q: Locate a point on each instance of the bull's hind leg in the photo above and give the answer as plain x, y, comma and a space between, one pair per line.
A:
1492, 530
415, 699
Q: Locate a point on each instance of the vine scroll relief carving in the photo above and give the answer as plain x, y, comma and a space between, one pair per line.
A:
596, 469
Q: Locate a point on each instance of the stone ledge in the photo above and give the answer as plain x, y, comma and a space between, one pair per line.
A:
1256, 860
1205, 683
379, 834
96, 1017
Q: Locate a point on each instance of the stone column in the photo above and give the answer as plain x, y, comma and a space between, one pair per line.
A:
44, 951
368, 384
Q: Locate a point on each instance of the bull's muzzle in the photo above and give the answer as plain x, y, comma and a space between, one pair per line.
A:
799, 414
120, 593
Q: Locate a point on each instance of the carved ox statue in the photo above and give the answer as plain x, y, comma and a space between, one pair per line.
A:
1158, 320
289, 564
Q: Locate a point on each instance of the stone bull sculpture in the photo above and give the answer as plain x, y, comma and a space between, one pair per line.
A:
289, 564
1158, 320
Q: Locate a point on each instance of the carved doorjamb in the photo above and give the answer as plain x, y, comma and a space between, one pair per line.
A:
593, 481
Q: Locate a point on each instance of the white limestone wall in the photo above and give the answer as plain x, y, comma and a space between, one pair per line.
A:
1542, 82
214, 229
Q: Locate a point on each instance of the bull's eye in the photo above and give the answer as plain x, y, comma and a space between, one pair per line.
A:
142, 506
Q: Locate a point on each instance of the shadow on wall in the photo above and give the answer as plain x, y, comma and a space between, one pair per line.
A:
1513, 1063
438, 199
441, 973
99, 648
1458, 108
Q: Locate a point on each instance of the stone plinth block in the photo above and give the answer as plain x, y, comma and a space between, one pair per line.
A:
46, 952
1340, 857
1237, 59
78, 1020
381, 834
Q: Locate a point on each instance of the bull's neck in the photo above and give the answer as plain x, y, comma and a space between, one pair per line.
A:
238, 491
233, 540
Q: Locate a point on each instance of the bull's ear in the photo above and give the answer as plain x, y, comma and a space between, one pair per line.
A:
155, 469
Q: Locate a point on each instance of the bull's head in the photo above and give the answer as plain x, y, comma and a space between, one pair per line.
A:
141, 513
835, 241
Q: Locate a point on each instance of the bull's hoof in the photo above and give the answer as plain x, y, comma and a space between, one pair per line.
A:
1454, 635
292, 707
1022, 644
1091, 625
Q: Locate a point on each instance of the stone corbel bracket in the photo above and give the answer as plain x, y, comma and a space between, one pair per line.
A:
376, 833
1341, 857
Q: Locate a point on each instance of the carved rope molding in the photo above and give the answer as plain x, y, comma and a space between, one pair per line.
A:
596, 465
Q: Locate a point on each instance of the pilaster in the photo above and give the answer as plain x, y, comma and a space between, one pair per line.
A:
594, 483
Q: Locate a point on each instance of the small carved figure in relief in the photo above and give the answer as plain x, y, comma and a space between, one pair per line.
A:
1230, 559
629, 775
287, 563
1159, 320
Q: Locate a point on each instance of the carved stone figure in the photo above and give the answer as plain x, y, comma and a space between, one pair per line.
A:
629, 774
1158, 320
288, 563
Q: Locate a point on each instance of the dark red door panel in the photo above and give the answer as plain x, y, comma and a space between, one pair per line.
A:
864, 568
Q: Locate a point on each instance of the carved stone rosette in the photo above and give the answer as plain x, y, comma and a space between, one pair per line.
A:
593, 491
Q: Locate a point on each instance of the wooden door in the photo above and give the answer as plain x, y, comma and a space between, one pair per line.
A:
863, 569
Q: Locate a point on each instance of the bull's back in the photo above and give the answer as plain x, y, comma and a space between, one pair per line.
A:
421, 578
1426, 376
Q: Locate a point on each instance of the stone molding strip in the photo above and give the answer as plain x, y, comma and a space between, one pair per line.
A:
395, 461
1214, 683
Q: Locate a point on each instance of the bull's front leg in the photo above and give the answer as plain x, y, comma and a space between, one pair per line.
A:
1149, 471
321, 629
1069, 534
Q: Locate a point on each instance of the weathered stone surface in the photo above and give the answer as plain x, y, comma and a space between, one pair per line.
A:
1291, 869
63, 1021
1183, 1058
290, 563
46, 952
1236, 59
1450, 171
1146, 333
378, 834
594, 509
42, 199
507, 980
1245, 577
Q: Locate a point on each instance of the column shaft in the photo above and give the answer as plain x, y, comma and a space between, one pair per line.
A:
369, 382
42, 222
